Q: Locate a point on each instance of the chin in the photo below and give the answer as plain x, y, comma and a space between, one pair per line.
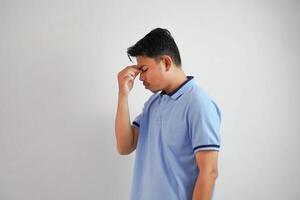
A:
154, 91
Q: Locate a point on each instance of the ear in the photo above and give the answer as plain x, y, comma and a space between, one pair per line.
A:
167, 61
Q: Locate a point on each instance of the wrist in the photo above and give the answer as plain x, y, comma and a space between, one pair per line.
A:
123, 95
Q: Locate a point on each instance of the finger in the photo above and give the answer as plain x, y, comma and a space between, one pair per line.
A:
134, 67
129, 79
135, 71
129, 75
130, 69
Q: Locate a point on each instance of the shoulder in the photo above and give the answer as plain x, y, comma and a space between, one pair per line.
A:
151, 99
198, 96
200, 100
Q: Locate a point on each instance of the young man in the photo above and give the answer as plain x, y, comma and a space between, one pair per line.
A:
177, 135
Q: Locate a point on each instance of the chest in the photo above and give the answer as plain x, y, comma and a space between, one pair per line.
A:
165, 123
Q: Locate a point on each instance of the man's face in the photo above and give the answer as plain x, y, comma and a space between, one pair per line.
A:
151, 74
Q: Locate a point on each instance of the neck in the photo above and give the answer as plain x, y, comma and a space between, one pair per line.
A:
175, 82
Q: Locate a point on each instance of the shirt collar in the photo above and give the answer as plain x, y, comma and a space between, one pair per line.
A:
181, 89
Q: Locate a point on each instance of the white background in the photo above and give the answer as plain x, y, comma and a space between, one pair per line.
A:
59, 61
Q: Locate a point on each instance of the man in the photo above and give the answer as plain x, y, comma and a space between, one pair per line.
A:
177, 135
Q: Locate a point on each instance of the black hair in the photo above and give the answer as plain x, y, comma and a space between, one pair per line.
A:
157, 42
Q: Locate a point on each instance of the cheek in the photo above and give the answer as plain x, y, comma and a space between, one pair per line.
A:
156, 77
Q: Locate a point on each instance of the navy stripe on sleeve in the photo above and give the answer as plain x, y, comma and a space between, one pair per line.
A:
205, 146
135, 123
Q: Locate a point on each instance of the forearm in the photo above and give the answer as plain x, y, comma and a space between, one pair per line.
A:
204, 186
123, 128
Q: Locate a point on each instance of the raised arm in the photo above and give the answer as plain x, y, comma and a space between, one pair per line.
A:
126, 135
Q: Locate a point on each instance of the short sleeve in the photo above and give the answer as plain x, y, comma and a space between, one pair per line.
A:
136, 121
204, 122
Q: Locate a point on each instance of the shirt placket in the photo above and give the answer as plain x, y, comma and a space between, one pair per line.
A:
162, 109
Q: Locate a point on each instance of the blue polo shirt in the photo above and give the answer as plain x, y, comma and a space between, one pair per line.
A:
172, 128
